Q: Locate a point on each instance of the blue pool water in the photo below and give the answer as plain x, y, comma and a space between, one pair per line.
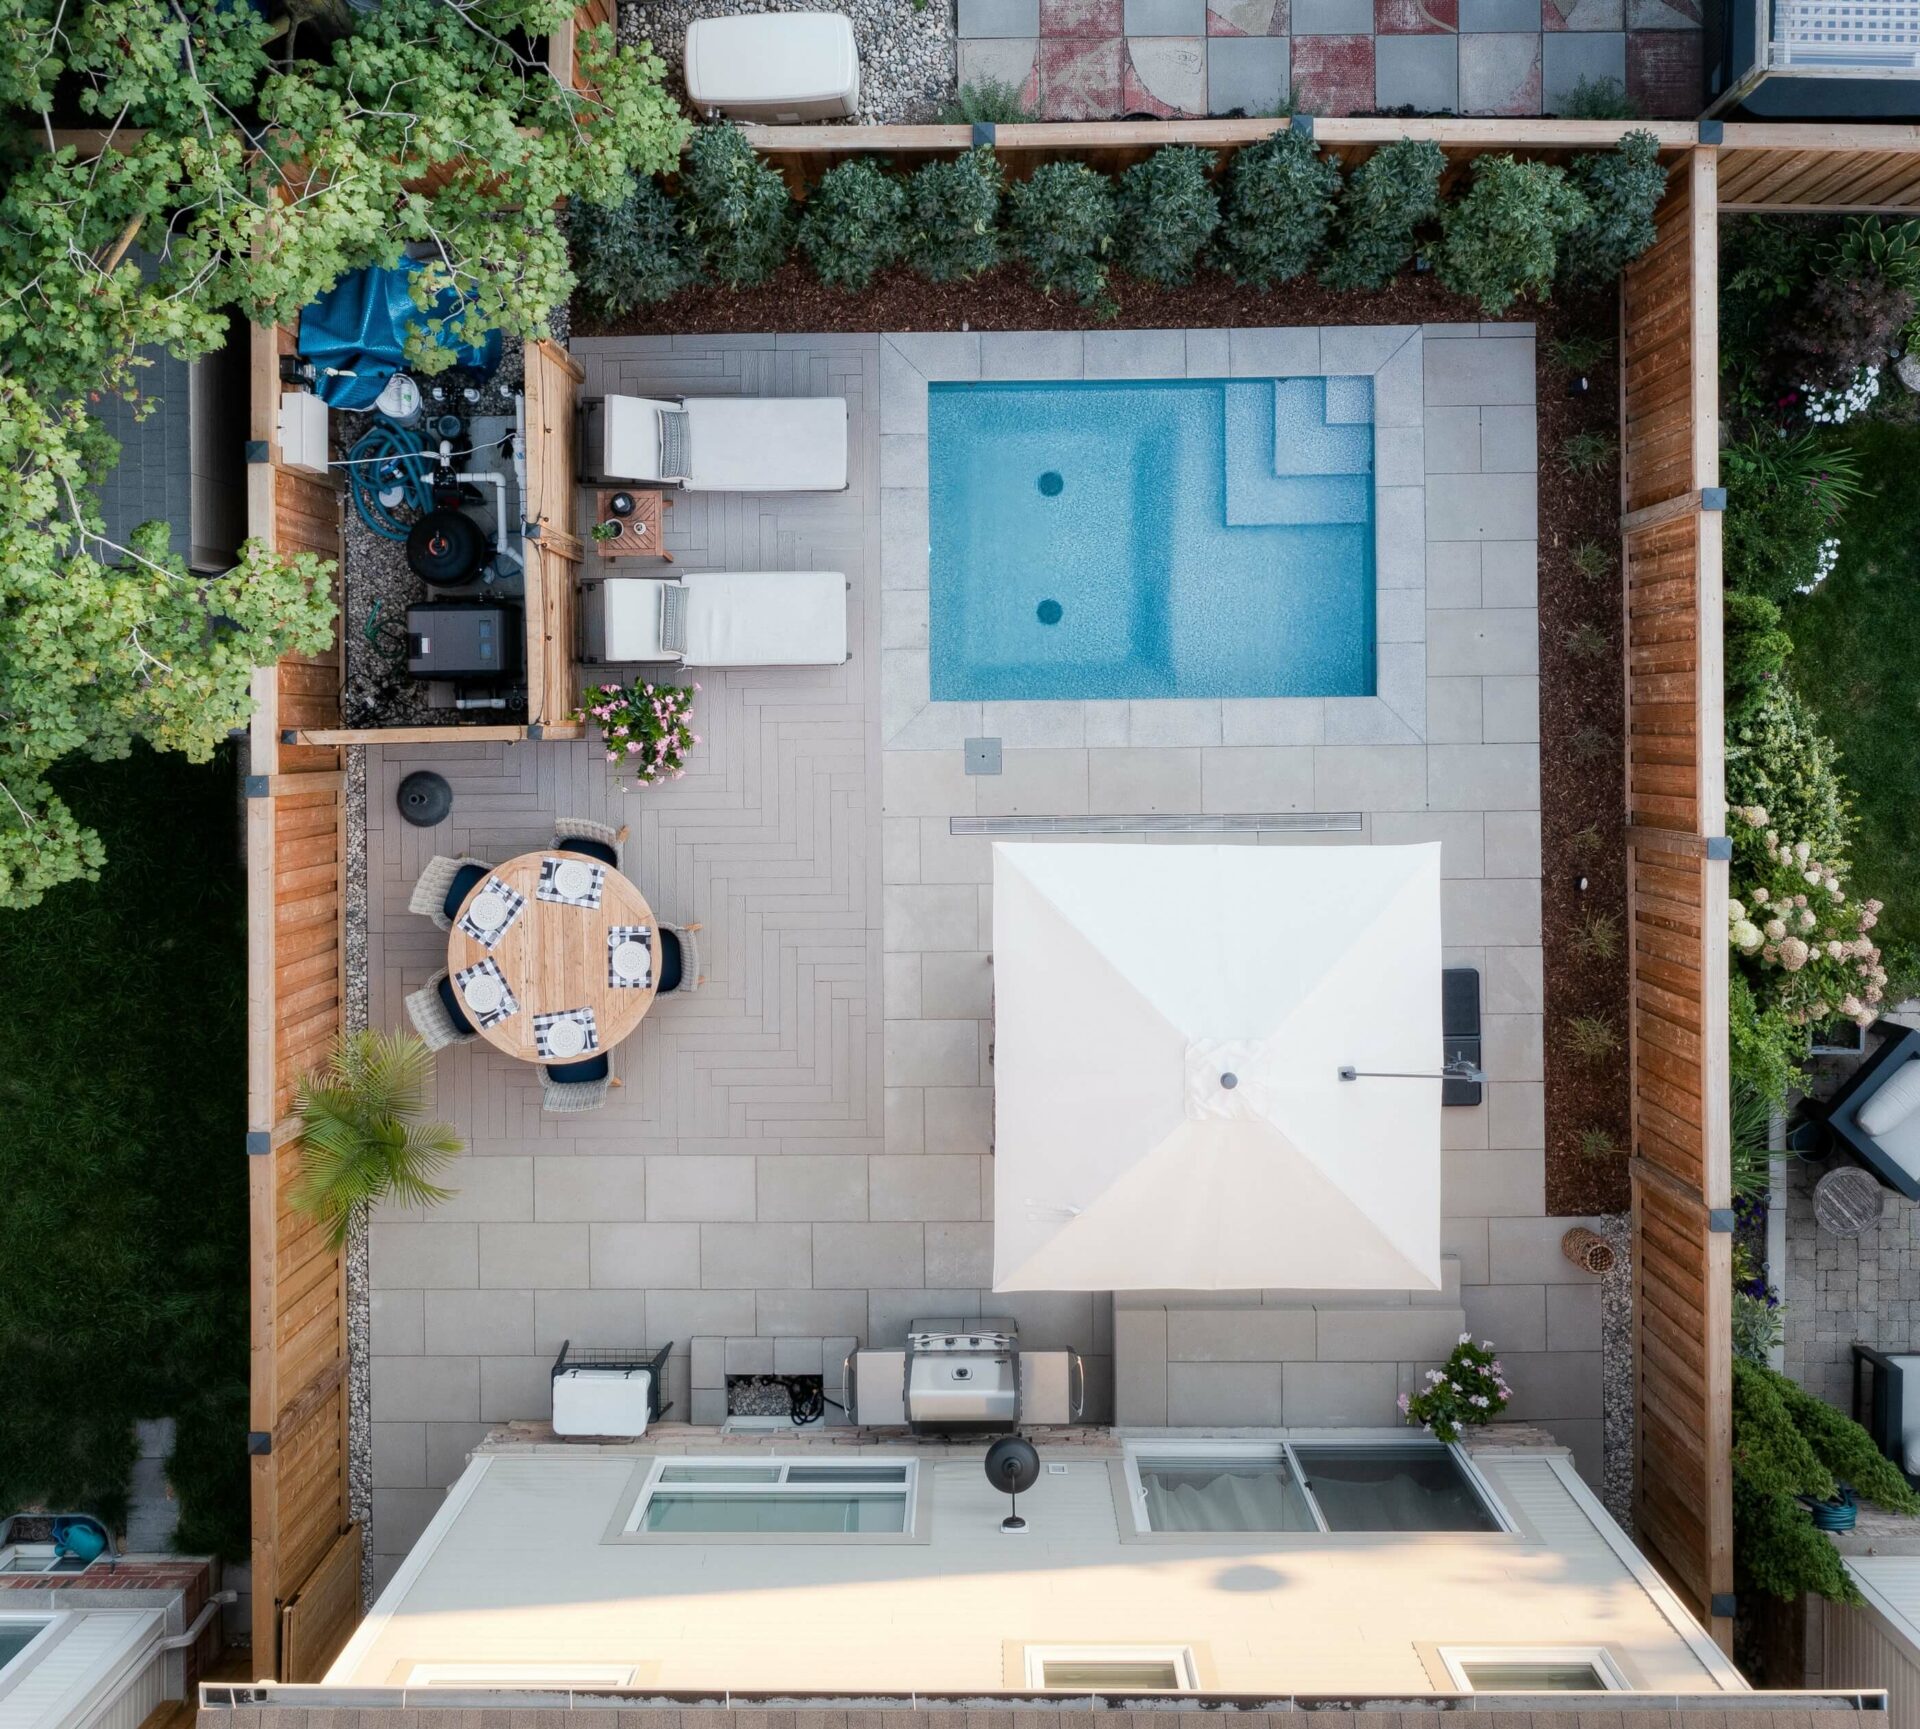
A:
1179, 538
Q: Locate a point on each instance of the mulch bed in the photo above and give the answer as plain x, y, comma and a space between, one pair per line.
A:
1578, 790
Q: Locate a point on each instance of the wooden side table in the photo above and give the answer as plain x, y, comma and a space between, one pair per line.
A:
642, 535
1847, 1201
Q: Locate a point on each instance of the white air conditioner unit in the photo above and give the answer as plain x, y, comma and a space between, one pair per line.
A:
303, 431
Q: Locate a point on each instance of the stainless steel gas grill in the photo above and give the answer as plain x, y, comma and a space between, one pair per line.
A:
963, 1377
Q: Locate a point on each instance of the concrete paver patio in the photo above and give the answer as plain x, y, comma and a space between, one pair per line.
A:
800, 1156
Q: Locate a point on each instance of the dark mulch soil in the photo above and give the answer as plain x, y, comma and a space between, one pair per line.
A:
1004, 299
1582, 774
1579, 791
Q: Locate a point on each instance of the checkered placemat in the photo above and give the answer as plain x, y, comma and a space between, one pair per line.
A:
500, 891
547, 892
509, 1004
543, 1026
641, 934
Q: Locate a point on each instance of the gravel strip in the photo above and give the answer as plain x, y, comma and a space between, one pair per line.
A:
906, 50
359, 1323
1616, 1371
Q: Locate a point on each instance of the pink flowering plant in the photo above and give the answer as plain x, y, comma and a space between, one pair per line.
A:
1804, 943
647, 729
1468, 1389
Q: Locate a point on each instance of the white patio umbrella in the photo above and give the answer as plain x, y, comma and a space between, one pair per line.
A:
1169, 1027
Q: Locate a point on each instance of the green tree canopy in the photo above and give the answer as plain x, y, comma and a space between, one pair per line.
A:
231, 162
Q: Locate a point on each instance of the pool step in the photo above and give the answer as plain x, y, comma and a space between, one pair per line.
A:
1285, 464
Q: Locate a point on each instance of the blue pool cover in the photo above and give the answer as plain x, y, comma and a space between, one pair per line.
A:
1180, 538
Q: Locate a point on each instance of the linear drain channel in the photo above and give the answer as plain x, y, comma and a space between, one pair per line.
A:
1250, 822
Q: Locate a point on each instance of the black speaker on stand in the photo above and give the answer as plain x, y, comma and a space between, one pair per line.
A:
1013, 1465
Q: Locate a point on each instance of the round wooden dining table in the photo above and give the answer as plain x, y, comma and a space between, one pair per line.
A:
555, 956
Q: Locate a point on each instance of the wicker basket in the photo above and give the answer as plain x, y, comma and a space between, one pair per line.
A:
1587, 1250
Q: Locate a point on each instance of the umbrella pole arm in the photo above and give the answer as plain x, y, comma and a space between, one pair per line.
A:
1460, 1071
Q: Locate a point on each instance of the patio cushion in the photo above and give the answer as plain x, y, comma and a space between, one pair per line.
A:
669, 962
450, 1001
592, 848
575, 1074
1892, 1103
465, 880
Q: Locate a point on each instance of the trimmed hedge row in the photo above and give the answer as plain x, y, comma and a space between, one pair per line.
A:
1281, 209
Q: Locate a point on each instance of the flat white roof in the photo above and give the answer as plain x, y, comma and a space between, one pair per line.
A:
525, 1564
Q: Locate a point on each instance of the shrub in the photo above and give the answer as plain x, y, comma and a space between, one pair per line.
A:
855, 224
1622, 188
1765, 1049
1787, 1443
1591, 743
1168, 210
1593, 561
1804, 944
1597, 936
1598, 99
631, 253
987, 102
953, 215
1578, 353
1586, 452
734, 208
1588, 843
1756, 650
1592, 1038
1469, 1388
1279, 206
1756, 1327
1597, 1143
1778, 758
1588, 642
1382, 206
1503, 239
1834, 328
1785, 497
1063, 220
1749, 1125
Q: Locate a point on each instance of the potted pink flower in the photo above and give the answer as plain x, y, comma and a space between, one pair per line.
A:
646, 729
1468, 1389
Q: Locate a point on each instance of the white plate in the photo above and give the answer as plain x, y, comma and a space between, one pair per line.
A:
572, 879
566, 1038
488, 911
482, 992
631, 959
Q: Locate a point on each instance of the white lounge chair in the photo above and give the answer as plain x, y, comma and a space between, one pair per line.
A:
721, 618
717, 443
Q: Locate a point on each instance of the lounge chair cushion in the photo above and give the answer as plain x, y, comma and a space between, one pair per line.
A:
670, 964
1893, 1102
465, 880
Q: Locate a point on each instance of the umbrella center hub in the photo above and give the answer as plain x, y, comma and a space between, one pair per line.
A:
1222, 1080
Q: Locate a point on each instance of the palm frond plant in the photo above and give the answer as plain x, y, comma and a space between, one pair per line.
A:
360, 1132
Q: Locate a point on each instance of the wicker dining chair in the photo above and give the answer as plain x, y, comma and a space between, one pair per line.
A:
679, 958
595, 839
581, 1086
437, 1016
435, 892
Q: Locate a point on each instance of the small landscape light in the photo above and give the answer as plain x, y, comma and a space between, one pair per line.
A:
1580, 884
1579, 384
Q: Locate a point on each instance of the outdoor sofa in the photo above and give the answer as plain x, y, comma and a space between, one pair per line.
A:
1874, 1119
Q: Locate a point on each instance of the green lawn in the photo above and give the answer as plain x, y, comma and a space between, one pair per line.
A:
123, 1183
1857, 660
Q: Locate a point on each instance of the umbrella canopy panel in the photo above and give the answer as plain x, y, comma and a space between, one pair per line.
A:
1169, 1027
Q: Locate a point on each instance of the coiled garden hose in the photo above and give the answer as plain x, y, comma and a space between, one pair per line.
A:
387, 457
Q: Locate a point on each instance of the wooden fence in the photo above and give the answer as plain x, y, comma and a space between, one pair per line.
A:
296, 897
1677, 901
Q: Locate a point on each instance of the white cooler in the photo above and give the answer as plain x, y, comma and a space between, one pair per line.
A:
780, 68
609, 1402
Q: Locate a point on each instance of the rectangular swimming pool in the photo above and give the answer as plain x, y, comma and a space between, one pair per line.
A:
1176, 538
